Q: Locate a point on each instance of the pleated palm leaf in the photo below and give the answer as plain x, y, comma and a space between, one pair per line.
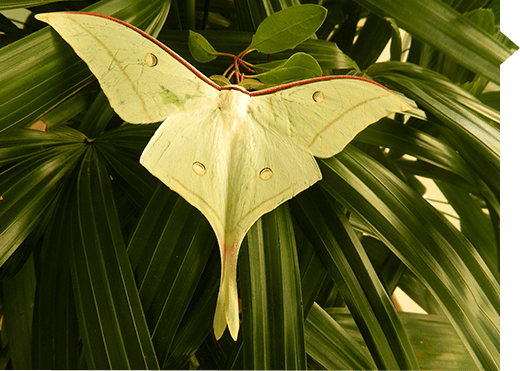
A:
105, 267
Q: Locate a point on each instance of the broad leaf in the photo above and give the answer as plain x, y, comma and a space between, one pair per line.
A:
298, 67
287, 28
200, 48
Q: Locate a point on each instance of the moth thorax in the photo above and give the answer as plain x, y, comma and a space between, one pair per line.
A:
234, 101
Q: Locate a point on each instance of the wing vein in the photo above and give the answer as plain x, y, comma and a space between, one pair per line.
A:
119, 66
333, 122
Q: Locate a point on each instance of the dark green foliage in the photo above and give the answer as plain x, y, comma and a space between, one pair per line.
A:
104, 267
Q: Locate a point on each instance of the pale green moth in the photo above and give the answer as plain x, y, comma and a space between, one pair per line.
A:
234, 155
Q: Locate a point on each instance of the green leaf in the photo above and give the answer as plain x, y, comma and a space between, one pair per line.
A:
467, 131
436, 344
407, 139
475, 224
200, 48
370, 41
442, 27
111, 321
332, 346
346, 261
396, 44
287, 28
426, 243
483, 18
27, 189
97, 117
299, 66
169, 250
312, 272
32, 86
18, 304
327, 53
121, 149
66, 110
220, 80
434, 99
11, 4
17, 145
55, 326
271, 295
399, 228
197, 323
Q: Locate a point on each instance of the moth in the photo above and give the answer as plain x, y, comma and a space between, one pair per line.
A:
231, 153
